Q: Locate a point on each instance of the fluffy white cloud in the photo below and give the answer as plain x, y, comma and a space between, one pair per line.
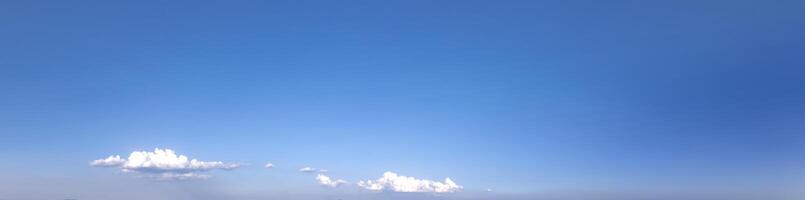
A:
393, 182
167, 160
269, 165
327, 181
163, 164
307, 169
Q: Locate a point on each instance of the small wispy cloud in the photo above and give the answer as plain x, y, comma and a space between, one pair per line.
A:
307, 169
111, 161
269, 165
393, 182
311, 169
162, 164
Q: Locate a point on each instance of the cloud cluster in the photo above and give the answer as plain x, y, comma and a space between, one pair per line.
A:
163, 164
327, 181
393, 182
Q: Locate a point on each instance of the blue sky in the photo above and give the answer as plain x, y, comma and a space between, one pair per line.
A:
531, 99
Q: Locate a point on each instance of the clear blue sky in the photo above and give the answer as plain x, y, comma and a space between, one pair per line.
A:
531, 99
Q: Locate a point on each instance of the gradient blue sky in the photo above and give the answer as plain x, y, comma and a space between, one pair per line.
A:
532, 99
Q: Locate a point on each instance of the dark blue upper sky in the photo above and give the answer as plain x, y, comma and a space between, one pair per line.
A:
526, 98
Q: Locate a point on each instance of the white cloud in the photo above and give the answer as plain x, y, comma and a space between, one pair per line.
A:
393, 182
167, 160
269, 165
307, 169
111, 161
327, 181
164, 163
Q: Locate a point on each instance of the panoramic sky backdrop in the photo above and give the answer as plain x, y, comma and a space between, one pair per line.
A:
298, 100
